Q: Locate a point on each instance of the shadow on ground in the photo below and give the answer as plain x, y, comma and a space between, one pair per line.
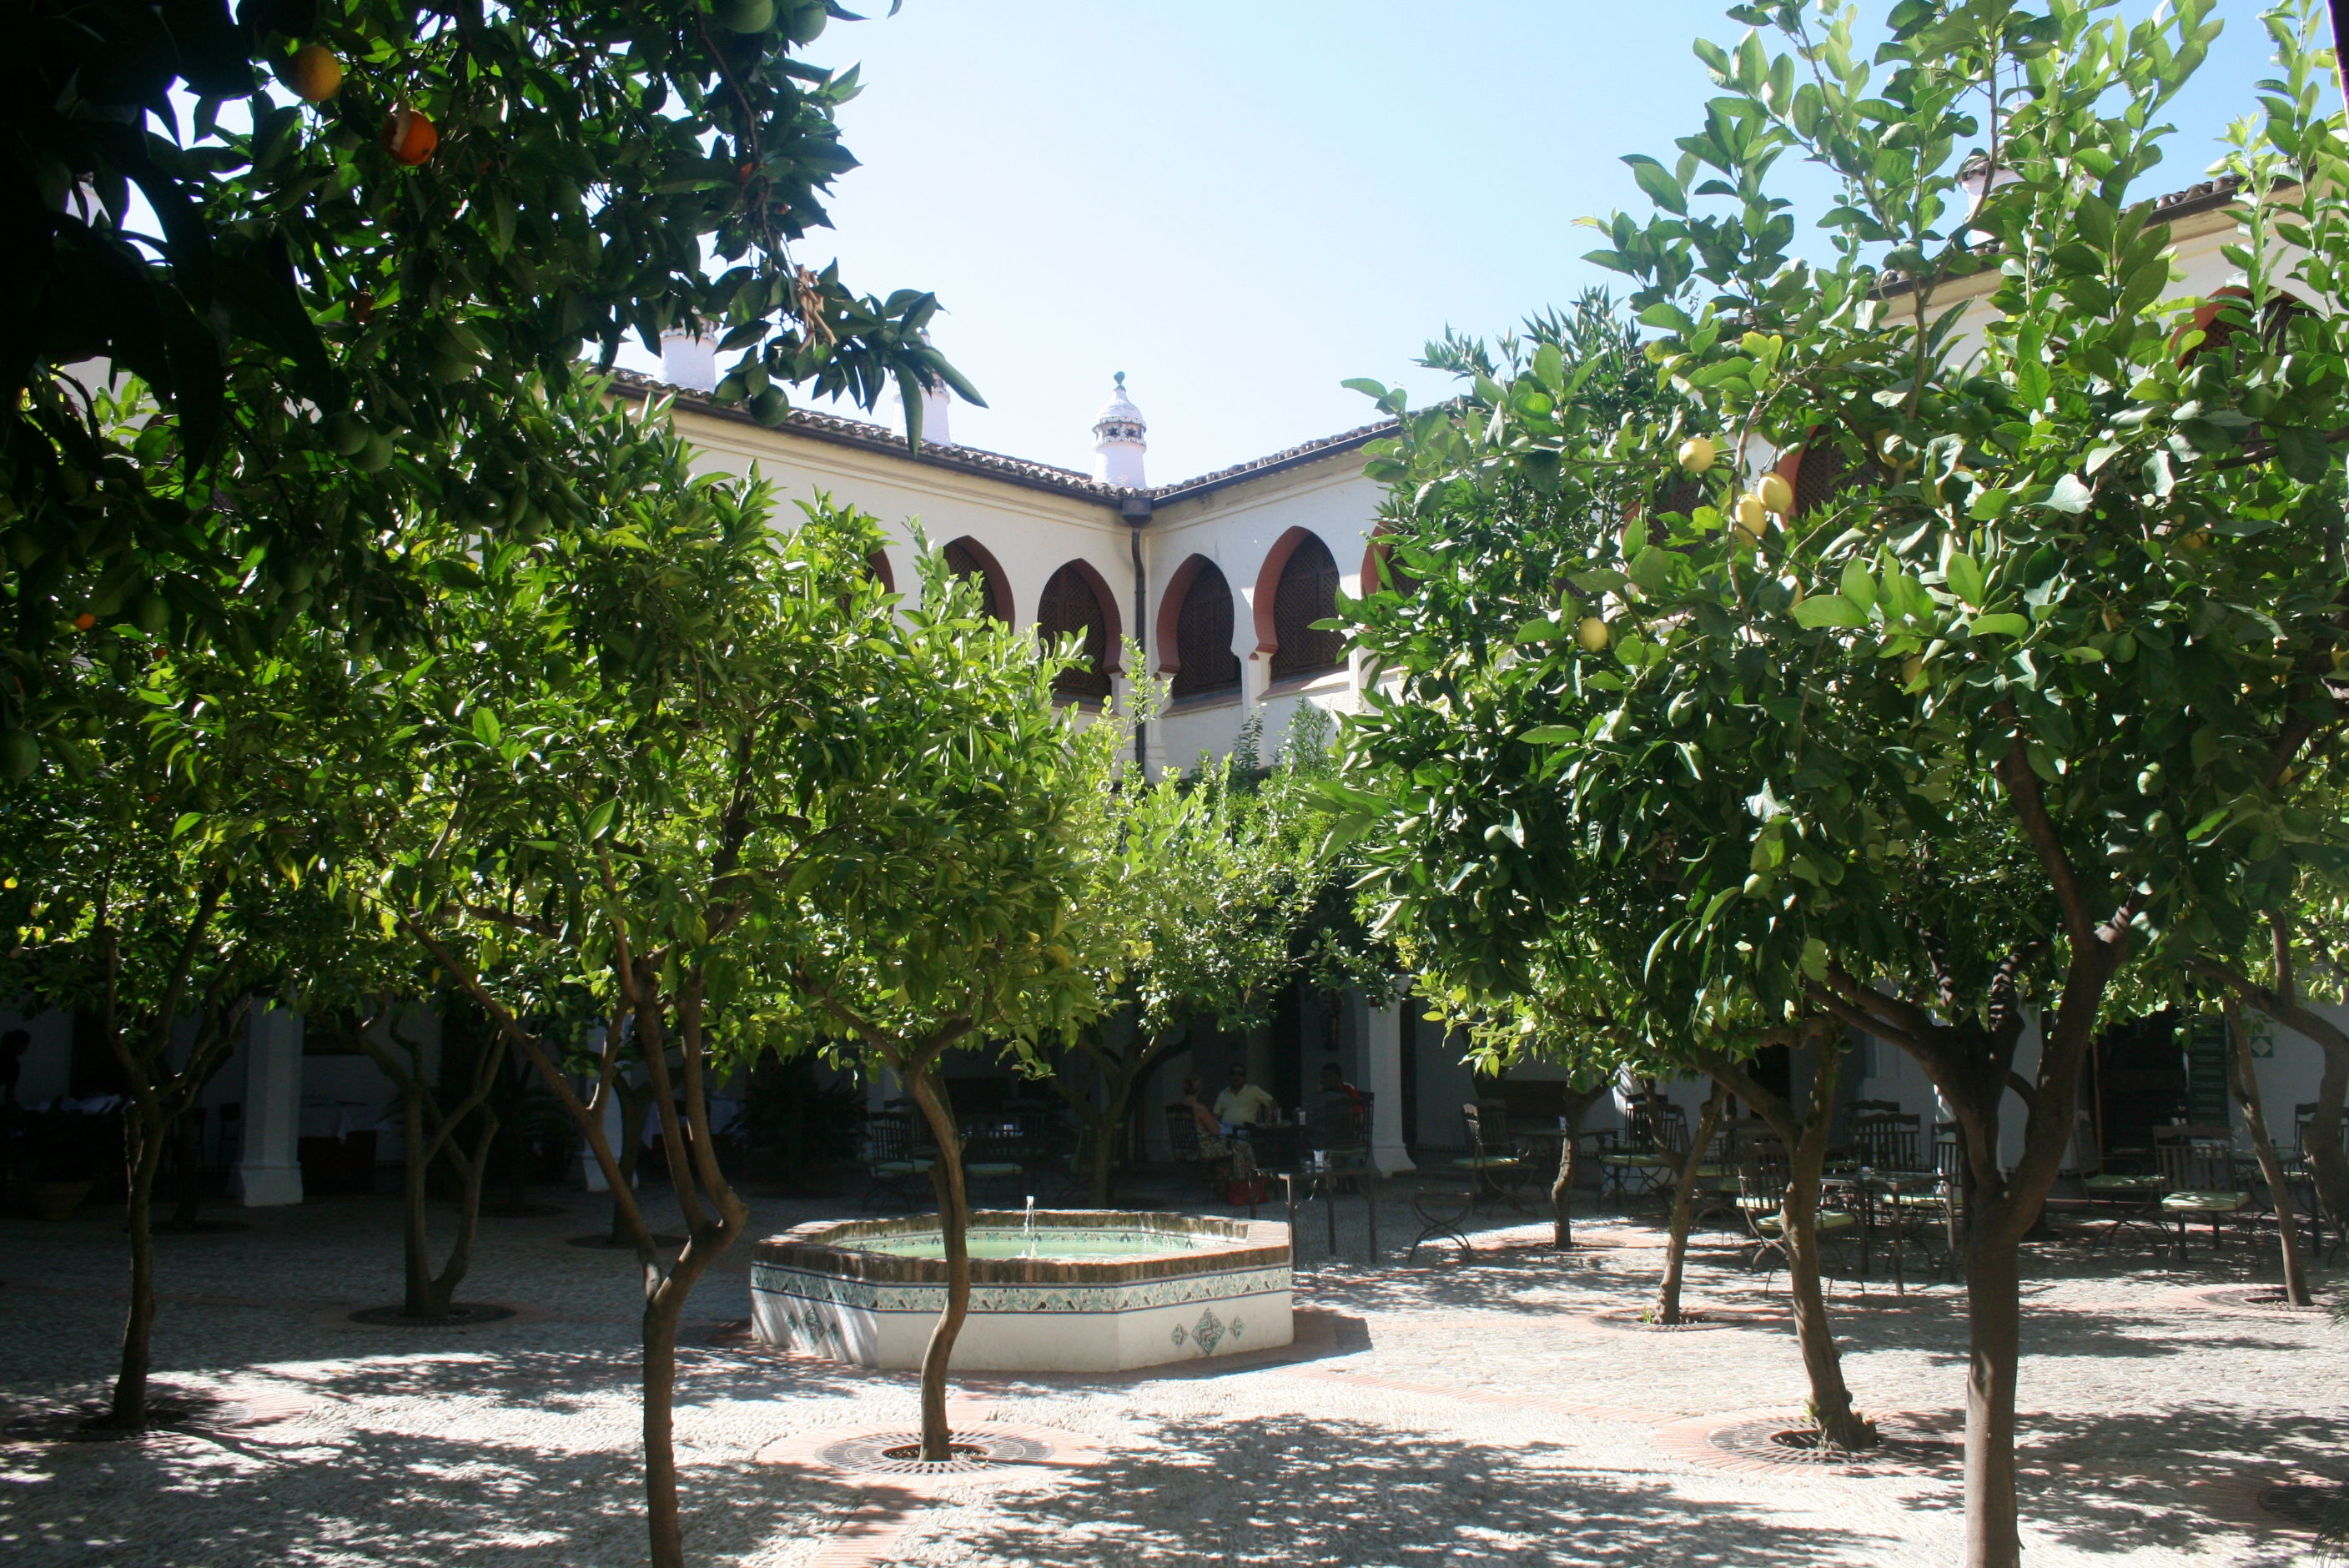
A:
1295, 1489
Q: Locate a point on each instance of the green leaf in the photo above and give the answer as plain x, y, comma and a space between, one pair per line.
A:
1829, 609
1965, 578
1658, 182
2072, 494
1551, 734
1540, 631
1550, 364
187, 821
2001, 625
1859, 585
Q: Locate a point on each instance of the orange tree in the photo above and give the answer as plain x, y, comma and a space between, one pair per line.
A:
707, 774
1994, 717
315, 244
171, 882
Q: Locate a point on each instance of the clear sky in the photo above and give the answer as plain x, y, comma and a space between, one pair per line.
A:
1241, 204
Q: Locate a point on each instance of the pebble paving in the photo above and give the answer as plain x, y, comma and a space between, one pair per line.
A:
1439, 1410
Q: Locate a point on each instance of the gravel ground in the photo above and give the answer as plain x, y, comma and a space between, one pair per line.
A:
1446, 1411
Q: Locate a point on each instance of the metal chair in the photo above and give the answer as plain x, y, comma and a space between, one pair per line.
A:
1443, 1207
1886, 1142
1651, 1145
896, 1161
1497, 1175
2198, 1174
992, 1147
1763, 1174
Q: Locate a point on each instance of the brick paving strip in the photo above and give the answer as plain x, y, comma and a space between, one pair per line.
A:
892, 1504
1740, 1443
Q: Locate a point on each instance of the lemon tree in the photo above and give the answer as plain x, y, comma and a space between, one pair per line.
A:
1993, 729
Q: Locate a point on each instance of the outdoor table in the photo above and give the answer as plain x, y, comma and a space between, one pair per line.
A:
1863, 1190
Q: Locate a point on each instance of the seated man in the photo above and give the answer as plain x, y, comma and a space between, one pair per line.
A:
1242, 1103
1338, 1119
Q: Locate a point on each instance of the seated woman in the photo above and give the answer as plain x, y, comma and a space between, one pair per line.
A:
1228, 1159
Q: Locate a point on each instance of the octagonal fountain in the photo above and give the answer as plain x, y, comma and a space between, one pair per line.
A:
1083, 1290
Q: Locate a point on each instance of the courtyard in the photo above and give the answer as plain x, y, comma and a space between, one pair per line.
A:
1508, 1408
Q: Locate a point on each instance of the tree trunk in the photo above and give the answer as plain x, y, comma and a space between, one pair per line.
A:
1667, 1298
954, 1215
1805, 1138
1570, 1166
664, 1307
1105, 1131
633, 1107
1561, 1195
2247, 1093
470, 1175
1798, 1217
1994, 1333
144, 1131
416, 1240
2328, 1163
188, 1154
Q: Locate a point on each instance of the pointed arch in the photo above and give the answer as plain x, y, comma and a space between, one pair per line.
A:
1194, 631
966, 557
882, 572
1819, 472
1078, 601
1381, 571
1298, 585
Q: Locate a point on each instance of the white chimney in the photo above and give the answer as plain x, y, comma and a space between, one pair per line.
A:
937, 415
1118, 443
688, 360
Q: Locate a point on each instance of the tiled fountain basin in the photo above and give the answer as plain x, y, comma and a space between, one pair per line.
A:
1175, 1287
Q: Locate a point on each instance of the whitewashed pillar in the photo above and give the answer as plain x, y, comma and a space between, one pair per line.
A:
1381, 1039
591, 1168
269, 1170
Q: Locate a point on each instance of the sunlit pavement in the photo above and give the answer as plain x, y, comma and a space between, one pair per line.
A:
1447, 1411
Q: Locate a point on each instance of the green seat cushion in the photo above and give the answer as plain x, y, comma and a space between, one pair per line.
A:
1919, 1199
1487, 1162
900, 1167
1825, 1220
2119, 1183
2205, 1202
993, 1168
1638, 1161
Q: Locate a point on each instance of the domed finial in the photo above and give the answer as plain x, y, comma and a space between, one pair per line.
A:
1119, 437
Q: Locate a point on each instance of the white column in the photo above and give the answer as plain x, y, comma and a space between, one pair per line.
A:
1381, 1039
269, 1171
590, 1167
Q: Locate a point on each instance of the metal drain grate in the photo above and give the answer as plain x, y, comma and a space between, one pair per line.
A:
899, 1452
2302, 1504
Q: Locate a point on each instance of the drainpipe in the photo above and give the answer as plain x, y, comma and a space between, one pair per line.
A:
1135, 510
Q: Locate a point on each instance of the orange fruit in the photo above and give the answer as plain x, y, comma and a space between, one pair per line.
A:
409, 136
85, 621
313, 72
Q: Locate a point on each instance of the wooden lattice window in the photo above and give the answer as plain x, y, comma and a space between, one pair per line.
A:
964, 562
1822, 472
1204, 663
1070, 607
1308, 592
1818, 476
